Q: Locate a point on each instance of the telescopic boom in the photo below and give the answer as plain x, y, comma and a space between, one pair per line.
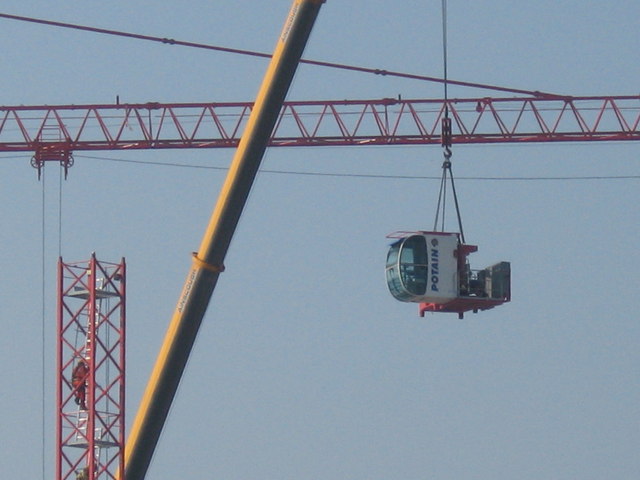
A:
208, 261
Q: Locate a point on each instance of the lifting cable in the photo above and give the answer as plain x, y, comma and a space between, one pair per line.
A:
43, 324
63, 172
446, 141
43, 332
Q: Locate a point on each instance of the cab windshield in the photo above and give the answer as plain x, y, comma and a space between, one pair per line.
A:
407, 268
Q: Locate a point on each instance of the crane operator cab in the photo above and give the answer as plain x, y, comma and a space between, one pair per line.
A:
431, 268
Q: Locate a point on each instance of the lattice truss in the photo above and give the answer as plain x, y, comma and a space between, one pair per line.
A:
54, 131
91, 370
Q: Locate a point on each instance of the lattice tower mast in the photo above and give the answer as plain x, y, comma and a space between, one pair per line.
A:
90, 428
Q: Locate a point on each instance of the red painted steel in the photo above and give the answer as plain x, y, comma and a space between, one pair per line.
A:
461, 305
54, 132
90, 424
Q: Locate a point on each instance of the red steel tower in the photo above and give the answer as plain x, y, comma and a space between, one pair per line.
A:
91, 370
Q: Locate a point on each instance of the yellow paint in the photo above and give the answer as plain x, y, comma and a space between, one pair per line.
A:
201, 261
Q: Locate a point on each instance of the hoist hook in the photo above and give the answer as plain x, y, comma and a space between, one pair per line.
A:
447, 157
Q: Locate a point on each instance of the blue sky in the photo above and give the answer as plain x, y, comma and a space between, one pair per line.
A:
306, 367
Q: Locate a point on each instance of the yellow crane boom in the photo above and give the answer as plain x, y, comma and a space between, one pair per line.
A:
208, 260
